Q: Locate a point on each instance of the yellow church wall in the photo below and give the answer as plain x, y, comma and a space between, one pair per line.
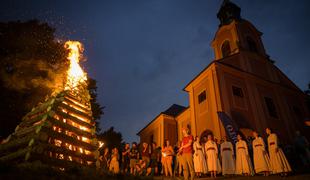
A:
153, 130
240, 107
170, 129
265, 90
203, 110
244, 110
253, 108
236, 106
254, 73
161, 128
260, 67
204, 115
216, 99
227, 32
183, 121
252, 63
236, 33
296, 109
246, 29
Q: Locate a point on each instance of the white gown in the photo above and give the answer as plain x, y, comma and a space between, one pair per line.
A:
278, 161
200, 164
228, 161
243, 161
212, 158
260, 156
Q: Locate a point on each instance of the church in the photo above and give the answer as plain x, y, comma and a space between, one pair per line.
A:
239, 91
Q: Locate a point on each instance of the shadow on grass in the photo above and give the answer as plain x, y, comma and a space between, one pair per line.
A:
41, 171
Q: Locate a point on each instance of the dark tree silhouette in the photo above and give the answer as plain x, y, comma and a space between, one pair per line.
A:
111, 138
97, 109
307, 92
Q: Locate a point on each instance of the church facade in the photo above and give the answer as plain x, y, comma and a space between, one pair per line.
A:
242, 82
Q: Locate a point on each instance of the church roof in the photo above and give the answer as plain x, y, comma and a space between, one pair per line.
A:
184, 89
228, 12
289, 84
174, 110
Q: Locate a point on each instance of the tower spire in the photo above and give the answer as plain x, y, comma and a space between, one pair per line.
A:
228, 12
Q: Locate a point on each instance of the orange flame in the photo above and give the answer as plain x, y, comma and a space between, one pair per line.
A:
75, 74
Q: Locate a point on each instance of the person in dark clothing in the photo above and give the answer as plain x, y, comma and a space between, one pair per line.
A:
125, 158
105, 159
145, 153
302, 148
154, 159
178, 161
134, 156
159, 164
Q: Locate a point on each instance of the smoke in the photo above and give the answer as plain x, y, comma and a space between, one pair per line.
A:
24, 75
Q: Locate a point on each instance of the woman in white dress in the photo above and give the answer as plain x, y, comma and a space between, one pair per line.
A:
212, 156
200, 164
227, 156
260, 156
243, 161
278, 161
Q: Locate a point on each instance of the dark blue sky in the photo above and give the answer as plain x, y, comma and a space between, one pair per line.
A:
143, 52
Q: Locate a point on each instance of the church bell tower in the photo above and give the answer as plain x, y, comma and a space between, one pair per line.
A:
235, 34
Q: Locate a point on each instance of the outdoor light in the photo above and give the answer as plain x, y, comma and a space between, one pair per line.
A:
164, 154
101, 144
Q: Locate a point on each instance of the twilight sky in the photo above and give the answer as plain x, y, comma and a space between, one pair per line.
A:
143, 52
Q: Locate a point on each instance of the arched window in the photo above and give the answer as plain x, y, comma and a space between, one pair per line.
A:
225, 49
251, 44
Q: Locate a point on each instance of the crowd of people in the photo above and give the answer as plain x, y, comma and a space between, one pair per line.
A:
195, 157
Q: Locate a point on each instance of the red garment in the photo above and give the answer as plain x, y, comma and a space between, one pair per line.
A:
185, 140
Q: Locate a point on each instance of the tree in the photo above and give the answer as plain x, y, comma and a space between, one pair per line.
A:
307, 92
111, 138
30, 62
32, 65
97, 109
